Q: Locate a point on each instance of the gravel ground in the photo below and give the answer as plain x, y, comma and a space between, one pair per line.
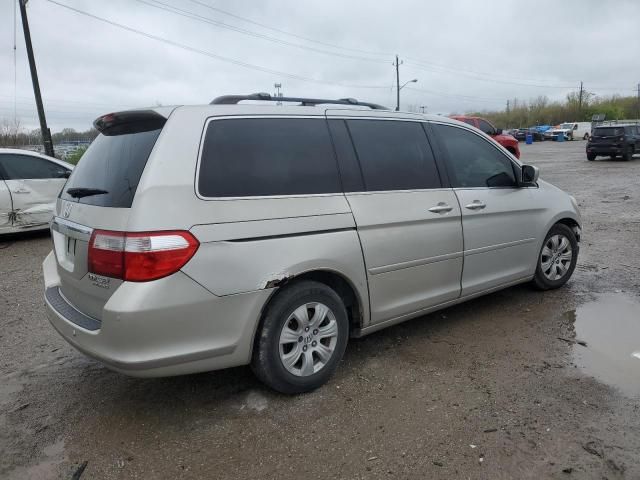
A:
494, 388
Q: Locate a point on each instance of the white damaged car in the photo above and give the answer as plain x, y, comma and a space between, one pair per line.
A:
29, 186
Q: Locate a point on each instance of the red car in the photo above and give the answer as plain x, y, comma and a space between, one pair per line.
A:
507, 141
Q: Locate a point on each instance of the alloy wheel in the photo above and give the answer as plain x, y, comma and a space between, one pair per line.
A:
556, 257
308, 339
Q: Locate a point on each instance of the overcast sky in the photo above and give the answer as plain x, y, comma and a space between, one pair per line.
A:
467, 55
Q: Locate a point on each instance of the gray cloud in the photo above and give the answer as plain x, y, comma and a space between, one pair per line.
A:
467, 55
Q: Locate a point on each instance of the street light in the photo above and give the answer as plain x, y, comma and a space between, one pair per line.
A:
400, 88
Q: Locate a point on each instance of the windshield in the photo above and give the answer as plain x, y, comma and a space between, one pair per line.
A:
608, 131
108, 173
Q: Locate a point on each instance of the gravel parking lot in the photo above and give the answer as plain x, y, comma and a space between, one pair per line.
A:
518, 384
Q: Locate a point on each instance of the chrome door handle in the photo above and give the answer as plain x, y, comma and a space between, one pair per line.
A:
441, 208
476, 205
21, 190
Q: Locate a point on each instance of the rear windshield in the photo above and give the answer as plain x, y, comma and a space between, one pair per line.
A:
608, 131
113, 164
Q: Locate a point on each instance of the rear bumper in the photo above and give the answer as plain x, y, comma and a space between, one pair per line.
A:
604, 149
171, 326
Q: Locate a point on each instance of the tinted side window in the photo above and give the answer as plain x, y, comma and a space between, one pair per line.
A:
394, 155
25, 167
486, 127
267, 156
350, 172
474, 161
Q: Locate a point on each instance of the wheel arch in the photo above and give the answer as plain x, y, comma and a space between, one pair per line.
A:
357, 305
572, 224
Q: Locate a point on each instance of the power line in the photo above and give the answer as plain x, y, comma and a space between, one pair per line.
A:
307, 39
194, 16
410, 60
210, 54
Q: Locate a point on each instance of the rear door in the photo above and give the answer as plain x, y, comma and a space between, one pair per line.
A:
408, 223
99, 195
34, 184
499, 218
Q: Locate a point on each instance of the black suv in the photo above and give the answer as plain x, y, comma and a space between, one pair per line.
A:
613, 140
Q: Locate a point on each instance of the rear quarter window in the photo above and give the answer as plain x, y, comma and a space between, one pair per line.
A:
267, 156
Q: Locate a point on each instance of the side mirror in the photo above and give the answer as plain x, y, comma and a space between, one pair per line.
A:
530, 174
66, 174
498, 131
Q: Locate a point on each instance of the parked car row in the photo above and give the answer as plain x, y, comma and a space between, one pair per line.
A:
568, 131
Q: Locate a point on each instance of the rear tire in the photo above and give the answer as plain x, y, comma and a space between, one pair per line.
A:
628, 154
586, 137
591, 157
557, 258
302, 338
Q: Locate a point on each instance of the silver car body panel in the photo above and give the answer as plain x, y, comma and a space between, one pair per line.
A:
400, 258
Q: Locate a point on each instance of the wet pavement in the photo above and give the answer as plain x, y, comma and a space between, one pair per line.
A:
517, 384
607, 341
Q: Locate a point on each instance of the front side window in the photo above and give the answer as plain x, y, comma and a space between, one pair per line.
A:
394, 155
486, 127
267, 156
474, 161
25, 167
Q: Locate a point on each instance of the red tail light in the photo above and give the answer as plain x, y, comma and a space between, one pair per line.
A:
140, 256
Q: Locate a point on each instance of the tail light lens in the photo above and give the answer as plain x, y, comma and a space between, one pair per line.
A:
140, 256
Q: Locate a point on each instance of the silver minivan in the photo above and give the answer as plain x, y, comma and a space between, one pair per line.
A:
195, 238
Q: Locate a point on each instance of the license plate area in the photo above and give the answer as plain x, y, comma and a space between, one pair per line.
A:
65, 248
70, 241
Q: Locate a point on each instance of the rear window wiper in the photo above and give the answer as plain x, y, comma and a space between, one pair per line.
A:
85, 192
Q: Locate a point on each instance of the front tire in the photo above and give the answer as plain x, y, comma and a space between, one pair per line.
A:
591, 157
628, 154
302, 338
557, 258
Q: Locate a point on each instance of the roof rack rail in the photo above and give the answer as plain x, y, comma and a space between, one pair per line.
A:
234, 99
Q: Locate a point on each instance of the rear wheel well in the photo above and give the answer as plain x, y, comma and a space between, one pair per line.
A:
344, 289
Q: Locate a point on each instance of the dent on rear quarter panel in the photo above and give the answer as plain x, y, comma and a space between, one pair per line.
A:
230, 267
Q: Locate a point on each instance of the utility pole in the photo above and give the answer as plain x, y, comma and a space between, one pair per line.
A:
507, 107
423, 108
580, 95
44, 130
397, 65
278, 86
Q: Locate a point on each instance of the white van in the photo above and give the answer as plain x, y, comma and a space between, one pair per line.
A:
571, 131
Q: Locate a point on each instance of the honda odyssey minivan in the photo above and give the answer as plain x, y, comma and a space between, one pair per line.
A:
195, 238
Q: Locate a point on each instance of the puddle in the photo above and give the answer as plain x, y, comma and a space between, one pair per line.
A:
610, 326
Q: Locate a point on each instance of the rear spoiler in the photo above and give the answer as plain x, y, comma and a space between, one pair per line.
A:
130, 121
